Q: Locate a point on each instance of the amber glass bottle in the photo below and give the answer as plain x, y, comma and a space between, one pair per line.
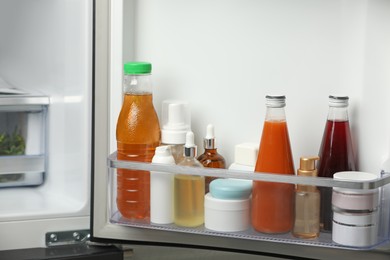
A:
137, 135
211, 158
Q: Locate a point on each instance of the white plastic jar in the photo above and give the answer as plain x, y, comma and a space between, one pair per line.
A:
355, 212
356, 230
227, 206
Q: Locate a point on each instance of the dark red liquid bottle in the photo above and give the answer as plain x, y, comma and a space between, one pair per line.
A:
336, 153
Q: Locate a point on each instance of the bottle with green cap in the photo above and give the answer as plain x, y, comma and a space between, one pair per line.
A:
137, 135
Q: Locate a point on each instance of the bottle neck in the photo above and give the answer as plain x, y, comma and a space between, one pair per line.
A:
137, 84
306, 188
275, 114
338, 113
189, 152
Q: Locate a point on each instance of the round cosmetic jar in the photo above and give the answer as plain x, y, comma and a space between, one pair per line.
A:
355, 230
357, 200
227, 205
226, 215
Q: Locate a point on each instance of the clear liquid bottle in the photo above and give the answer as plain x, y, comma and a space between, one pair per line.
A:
307, 202
273, 203
211, 158
137, 135
336, 153
176, 122
189, 190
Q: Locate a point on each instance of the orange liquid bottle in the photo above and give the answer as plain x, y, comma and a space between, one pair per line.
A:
138, 135
273, 203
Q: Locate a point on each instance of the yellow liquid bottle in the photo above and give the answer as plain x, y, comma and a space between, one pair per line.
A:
189, 190
137, 135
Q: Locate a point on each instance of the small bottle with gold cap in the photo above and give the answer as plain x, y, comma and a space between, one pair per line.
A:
307, 202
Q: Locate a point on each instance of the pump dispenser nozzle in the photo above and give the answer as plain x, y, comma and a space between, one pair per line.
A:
190, 147
307, 166
209, 140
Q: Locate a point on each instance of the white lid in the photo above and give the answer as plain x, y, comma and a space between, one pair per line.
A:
163, 155
355, 176
227, 205
240, 167
176, 121
246, 154
356, 219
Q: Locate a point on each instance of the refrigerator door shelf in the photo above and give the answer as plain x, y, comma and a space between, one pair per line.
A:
324, 240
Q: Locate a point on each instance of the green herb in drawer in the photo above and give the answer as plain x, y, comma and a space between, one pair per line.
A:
12, 144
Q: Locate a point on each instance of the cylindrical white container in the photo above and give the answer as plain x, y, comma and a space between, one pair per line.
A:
226, 215
355, 201
356, 230
161, 188
227, 206
349, 199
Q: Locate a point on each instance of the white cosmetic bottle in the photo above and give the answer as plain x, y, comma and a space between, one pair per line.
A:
161, 188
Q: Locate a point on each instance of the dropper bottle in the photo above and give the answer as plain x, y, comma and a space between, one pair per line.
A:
189, 189
211, 158
307, 202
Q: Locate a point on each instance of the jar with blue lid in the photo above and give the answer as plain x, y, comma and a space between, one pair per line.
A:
227, 205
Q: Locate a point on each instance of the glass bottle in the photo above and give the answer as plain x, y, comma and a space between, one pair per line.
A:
176, 122
336, 153
307, 202
189, 190
273, 203
137, 135
211, 158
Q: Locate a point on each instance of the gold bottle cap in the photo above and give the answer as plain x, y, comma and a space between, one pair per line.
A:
307, 166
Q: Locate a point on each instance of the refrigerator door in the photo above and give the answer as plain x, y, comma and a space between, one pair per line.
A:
46, 49
224, 57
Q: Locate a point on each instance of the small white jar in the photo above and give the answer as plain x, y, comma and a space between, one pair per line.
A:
229, 209
350, 199
356, 230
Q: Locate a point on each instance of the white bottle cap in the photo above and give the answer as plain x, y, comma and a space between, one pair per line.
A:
163, 154
190, 147
246, 154
209, 140
176, 121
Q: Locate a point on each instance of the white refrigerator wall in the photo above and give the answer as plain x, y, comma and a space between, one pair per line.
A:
225, 56
46, 46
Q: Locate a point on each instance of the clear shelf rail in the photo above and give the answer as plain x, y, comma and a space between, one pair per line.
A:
324, 240
113, 162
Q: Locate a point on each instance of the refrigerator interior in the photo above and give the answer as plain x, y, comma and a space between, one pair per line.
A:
224, 57
46, 47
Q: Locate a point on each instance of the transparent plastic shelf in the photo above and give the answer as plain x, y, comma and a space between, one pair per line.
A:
324, 239
268, 177
22, 163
